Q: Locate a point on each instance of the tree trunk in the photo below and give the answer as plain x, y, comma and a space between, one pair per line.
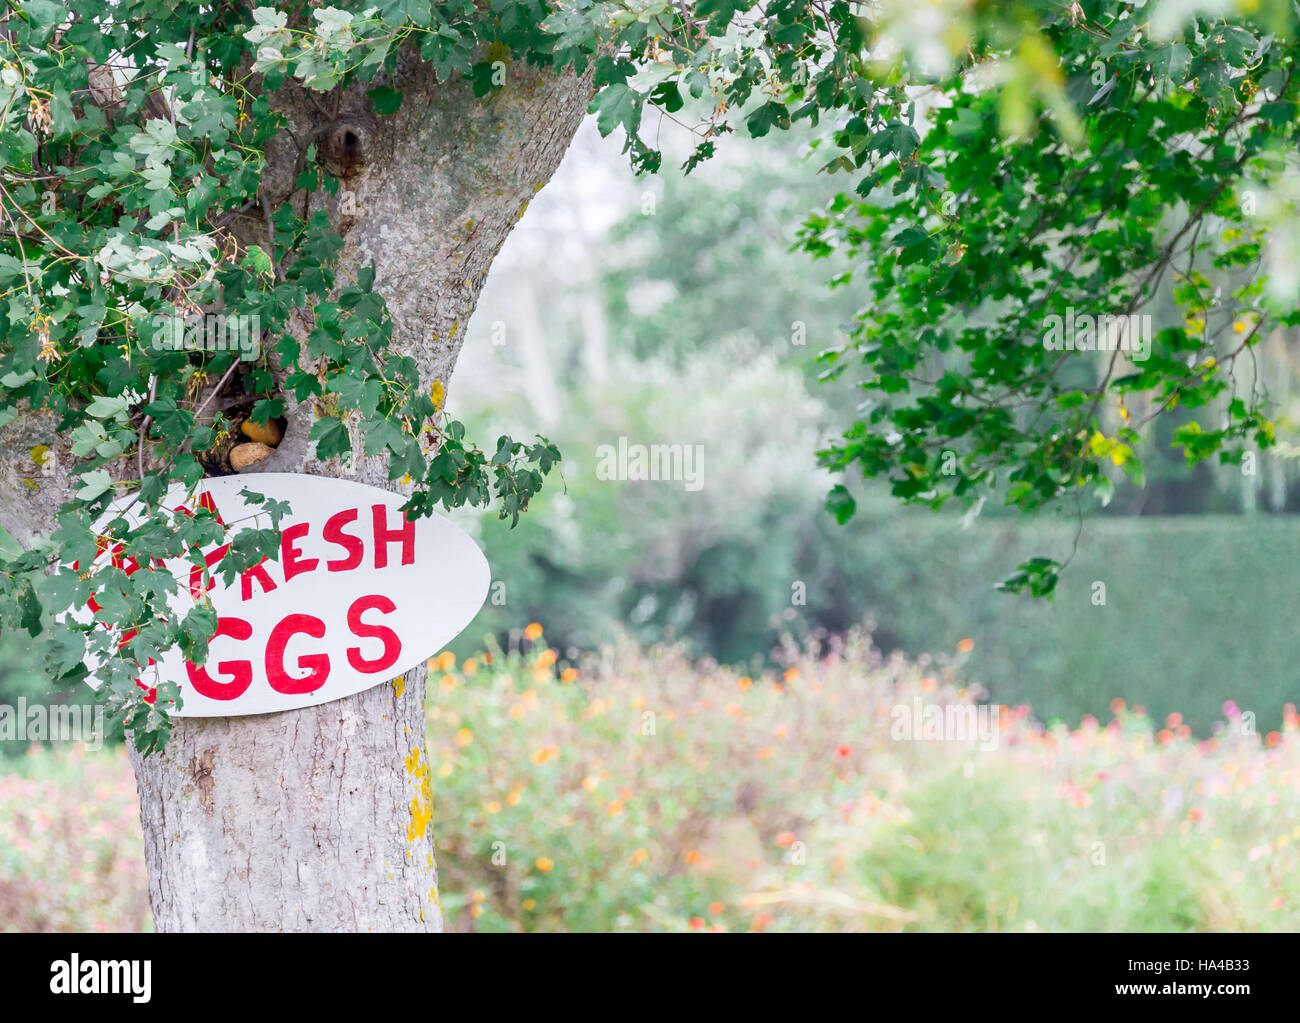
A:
319, 819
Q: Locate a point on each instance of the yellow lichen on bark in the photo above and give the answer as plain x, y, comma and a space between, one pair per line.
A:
422, 804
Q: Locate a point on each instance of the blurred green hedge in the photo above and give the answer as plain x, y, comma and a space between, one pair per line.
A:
1198, 610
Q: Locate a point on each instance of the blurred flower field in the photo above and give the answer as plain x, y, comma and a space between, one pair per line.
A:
641, 791
71, 856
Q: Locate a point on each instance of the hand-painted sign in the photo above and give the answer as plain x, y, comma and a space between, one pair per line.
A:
358, 596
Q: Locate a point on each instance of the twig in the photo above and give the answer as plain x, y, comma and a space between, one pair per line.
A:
220, 383
144, 428
270, 234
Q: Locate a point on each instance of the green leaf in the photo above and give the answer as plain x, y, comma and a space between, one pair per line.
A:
257, 260
331, 437
385, 100
615, 105
768, 116
840, 503
93, 484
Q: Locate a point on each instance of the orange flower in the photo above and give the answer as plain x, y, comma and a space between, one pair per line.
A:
464, 737
545, 753
965, 646
614, 807
569, 675
470, 666
744, 682
1117, 705
528, 905
694, 856
697, 923
791, 674
546, 658
1163, 736
544, 864
760, 921
532, 632
843, 752
446, 661
715, 908
785, 838
1174, 720
1272, 739
639, 857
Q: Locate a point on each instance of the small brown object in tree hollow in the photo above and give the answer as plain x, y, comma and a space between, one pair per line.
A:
250, 453
268, 434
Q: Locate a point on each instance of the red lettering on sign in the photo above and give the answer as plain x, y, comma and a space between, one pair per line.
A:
384, 535
317, 666
246, 580
197, 589
207, 504
392, 645
240, 672
290, 556
117, 561
334, 534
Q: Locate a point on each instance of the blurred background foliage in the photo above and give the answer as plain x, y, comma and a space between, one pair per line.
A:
674, 310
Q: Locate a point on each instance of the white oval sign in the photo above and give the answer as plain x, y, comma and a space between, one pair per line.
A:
358, 596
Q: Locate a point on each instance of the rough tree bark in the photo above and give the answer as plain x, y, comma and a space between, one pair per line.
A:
319, 819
